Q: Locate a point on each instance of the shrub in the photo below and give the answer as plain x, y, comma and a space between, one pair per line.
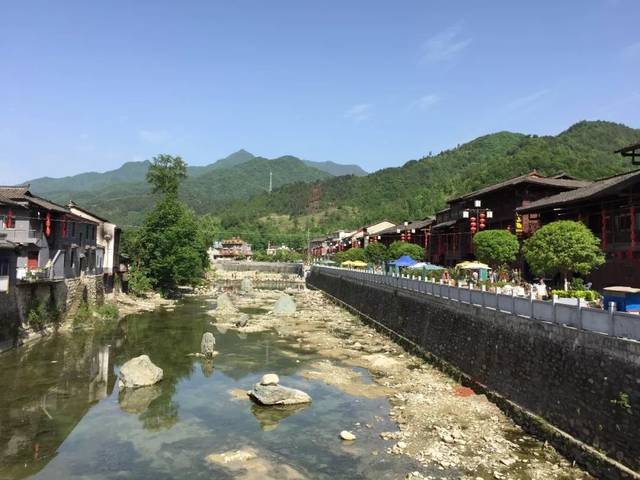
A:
108, 311
139, 283
496, 247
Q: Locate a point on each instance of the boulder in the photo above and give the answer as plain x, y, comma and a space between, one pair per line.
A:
224, 304
269, 395
246, 285
348, 436
285, 305
139, 372
242, 321
270, 379
208, 344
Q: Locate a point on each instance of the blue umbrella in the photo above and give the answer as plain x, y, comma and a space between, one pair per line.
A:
428, 266
404, 261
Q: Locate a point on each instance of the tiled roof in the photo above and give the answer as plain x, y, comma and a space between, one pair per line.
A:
415, 225
531, 178
594, 190
22, 193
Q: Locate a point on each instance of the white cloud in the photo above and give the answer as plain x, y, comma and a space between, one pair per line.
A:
445, 45
427, 101
526, 101
154, 136
360, 112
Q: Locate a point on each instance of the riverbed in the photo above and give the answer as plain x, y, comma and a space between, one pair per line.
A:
63, 416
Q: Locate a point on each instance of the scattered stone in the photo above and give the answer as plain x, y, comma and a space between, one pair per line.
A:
224, 304
278, 395
246, 285
285, 305
248, 464
139, 372
242, 321
270, 379
208, 344
238, 394
348, 436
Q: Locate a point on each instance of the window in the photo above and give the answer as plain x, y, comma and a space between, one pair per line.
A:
4, 267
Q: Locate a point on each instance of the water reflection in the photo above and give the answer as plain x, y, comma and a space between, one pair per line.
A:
60, 416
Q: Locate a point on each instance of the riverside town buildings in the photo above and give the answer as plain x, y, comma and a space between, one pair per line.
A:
231, 249
44, 248
610, 207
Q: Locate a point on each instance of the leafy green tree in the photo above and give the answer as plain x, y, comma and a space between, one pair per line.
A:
496, 247
398, 249
174, 248
376, 253
353, 254
165, 174
563, 247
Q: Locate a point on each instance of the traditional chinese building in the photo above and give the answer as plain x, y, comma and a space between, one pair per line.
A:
231, 249
610, 207
416, 232
492, 207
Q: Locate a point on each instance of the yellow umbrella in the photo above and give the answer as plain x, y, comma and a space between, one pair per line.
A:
348, 263
358, 263
473, 266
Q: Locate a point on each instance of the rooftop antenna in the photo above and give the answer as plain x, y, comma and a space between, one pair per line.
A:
270, 181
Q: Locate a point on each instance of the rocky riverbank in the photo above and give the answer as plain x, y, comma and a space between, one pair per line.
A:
439, 422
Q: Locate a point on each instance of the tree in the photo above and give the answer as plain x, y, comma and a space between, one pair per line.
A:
398, 249
353, 254
173, 246
563, 247
376, 253
496, 247
165, 174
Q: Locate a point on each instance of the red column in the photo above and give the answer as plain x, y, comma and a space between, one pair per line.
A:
632, 212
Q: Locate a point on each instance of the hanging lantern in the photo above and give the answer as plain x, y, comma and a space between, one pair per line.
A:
47, 224
482, 224
408, 237
64, 227
473, 226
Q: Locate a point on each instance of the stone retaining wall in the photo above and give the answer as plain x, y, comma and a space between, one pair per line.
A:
585, 384
275, 267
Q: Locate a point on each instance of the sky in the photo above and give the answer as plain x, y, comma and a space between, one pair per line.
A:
87, 86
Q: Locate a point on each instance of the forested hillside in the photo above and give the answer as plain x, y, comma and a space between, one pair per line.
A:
420, 188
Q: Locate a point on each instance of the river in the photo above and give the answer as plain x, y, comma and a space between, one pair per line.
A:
62, 416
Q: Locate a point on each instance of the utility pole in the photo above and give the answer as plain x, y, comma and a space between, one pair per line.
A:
270, 181
308, 248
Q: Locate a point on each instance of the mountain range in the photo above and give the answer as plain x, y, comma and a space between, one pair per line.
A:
234, 190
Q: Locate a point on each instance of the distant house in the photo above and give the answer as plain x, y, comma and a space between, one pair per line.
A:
232, 249
108, 238
44, 241
361, 237
492, 207
416, 231
273, 249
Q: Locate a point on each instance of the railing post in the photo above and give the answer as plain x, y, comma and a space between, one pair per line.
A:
483, 289
513, 301
612, 319
531, 301
554, 304
579, 314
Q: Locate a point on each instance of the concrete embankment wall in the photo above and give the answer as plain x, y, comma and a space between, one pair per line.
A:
547, 376
273, 267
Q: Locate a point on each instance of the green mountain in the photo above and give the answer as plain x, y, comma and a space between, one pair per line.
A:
337, 169
421, 187
127, 202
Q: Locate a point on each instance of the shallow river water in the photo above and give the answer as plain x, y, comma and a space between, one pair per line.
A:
62, 415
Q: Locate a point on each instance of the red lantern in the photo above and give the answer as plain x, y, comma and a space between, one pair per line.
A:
10, 219
402, 237
473, 225
482, 221
408, 236
47, 224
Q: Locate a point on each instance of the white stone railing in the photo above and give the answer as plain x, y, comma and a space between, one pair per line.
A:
608, 322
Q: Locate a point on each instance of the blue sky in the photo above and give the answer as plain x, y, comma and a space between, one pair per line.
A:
90, 85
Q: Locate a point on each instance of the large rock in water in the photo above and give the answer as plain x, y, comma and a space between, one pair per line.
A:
246, 285
242, 321
224, 304
139, 372
285, 305
278, 395
208, 344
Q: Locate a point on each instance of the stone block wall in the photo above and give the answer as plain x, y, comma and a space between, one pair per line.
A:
585, 384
